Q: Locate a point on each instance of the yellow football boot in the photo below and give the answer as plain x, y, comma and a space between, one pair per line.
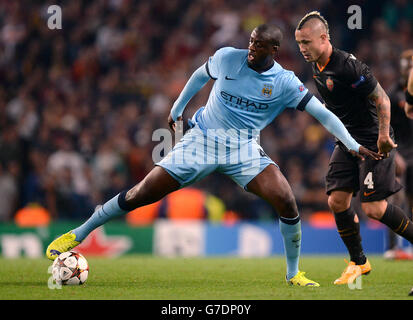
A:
300, 280
353, 271
65, 242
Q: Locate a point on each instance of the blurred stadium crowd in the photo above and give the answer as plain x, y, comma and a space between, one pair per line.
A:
78, 105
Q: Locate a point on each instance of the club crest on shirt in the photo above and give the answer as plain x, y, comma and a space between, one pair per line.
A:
267, 90
330, 84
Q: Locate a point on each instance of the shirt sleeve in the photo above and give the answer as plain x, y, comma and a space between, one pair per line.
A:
214, 63
332, 123
361, 79
296, 95
198, 79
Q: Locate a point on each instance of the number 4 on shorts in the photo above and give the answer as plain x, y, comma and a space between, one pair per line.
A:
368, 181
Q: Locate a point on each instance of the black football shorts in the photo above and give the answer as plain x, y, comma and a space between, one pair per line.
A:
375, 179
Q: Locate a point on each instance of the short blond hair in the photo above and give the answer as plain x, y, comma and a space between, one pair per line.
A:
314, 15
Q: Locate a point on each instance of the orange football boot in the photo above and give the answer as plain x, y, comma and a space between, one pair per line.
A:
353, 271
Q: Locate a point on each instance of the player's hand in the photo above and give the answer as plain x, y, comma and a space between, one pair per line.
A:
385, 144
364, 152
172, 123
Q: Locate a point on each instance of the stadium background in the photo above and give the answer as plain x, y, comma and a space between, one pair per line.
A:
78, 106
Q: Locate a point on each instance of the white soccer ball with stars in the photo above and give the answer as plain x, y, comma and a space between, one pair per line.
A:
70, 268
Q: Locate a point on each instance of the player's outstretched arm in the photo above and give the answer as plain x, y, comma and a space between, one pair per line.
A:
195, 83
333, 124
382, 102
408, 107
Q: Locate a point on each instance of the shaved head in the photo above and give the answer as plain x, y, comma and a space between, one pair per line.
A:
315, 26
313, 37
316, 22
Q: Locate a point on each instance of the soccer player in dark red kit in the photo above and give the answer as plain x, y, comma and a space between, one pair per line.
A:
351, 91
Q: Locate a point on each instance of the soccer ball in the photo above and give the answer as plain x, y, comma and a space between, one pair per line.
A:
70, 268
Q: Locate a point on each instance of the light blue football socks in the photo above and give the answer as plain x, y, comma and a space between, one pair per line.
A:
291, 233
108, 211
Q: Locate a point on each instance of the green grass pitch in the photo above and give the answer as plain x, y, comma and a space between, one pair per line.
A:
137, 277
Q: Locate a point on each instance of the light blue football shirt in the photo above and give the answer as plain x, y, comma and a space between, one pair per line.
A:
242, 98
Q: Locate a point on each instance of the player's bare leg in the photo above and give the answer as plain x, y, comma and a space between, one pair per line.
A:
157, 184
375, 209
272, 186
340, 200
394, 251
390, 215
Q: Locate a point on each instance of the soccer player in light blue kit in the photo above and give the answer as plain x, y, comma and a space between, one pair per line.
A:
250, 90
